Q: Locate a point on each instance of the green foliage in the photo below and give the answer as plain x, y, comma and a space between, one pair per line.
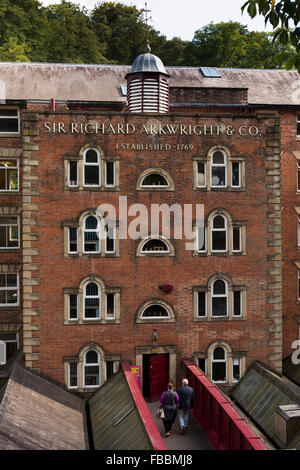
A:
115, 33
284, 16
12, 51
233, 46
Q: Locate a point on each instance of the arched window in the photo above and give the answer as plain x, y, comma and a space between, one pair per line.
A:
154, 180
91, 235
91, 369
92, 301
155, 311
91, 168
219, 233
155, 245
219, 298
218, 169
219, 366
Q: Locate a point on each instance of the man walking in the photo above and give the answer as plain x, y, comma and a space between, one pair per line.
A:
186, 402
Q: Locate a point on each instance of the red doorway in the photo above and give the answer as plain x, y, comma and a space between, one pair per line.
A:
158, 375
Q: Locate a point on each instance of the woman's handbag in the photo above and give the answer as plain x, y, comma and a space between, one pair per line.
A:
160, 414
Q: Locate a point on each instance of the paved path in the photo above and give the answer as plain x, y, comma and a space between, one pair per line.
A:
193, 439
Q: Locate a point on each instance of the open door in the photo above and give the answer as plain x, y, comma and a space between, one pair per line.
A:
159, 375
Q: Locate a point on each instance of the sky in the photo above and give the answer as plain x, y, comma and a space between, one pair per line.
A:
182, 18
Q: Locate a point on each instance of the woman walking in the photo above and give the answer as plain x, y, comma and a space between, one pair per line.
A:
169, 401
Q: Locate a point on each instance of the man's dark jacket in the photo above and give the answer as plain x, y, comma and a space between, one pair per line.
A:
186, 397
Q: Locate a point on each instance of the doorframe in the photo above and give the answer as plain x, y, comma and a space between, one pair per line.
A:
171, 350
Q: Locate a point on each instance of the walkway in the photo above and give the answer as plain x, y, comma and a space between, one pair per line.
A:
193, 439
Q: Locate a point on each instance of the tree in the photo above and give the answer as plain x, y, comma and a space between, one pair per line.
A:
286, 15
70, 37
121, 29
231, 45
12, 51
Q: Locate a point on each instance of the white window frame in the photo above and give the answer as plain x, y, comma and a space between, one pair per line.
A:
240, 179
234, 227
10, 117
69, 307
85, 364
219, 296
106, 312
218, 165
6, 171
155, 318
114, 174
197, 173
205, 297
219, 360
154, 252
69, 173
204, 250
69, 241
98, 164
225, 229
3, 357
241, 303
114, 240
156, 186
92, 297
97, 230
240, 368
9, 229
11, 288
69, 375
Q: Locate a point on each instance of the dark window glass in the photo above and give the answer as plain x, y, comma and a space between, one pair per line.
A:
202, 364
109, 369
201, 174
73, 239
201, 239
237, 303
219, 306
154, 179
73, 306
73, 374
235, 174
236, 239
91, 156
236, 369
110, 305
219, 287
92, 301
91, 175
298, 124
219, 372
155, 245
219, 353
110, 174
73, 173
218, 176
201, 304
110, 240
155, 311
8, 112
219, 240
9, 124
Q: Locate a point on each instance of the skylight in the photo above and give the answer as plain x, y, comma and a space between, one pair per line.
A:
210, 72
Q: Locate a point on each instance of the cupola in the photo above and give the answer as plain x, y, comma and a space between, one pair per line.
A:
148, 85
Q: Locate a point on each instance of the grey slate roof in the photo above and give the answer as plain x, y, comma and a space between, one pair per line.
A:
75, 82
36, 414
115, 420
260, 392
147, 63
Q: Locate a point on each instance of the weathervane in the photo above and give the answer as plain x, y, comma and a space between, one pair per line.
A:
146, 11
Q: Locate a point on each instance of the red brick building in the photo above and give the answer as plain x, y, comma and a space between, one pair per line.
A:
79, 304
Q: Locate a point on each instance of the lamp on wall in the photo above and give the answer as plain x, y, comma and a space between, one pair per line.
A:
155, 335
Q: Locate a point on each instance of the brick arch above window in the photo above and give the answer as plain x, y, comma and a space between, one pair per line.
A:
162, 176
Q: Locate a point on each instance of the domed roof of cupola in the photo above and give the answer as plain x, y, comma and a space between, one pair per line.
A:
148, 63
